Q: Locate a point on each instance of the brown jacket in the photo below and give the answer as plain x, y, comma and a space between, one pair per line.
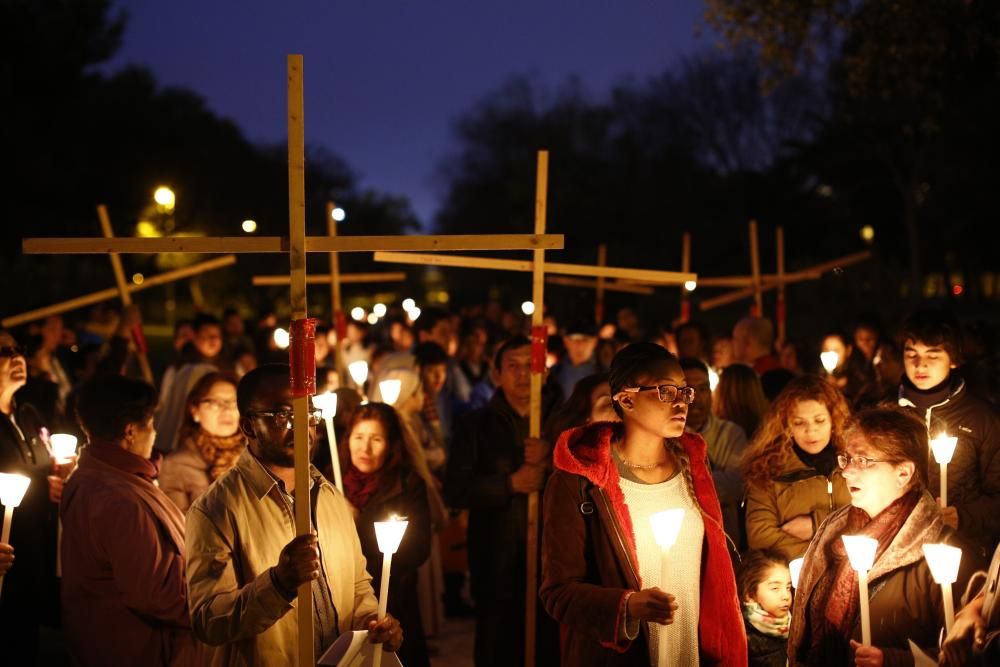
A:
589, 561
905, 602
797, 489
184, 475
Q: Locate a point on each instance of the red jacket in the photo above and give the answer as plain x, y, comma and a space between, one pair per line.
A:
589, 558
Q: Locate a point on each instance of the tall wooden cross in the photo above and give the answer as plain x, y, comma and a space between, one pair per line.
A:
297, 245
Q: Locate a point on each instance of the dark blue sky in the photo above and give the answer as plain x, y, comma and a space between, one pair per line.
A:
386, 78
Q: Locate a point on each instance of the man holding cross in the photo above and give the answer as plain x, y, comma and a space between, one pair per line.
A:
244, 563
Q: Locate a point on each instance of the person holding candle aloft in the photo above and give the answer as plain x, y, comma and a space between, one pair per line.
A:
30, 588
380, 480
601, 564
936, 392
885, 465
790, 467
244, 561
211, 441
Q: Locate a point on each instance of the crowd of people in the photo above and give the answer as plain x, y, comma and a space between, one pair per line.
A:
170, 538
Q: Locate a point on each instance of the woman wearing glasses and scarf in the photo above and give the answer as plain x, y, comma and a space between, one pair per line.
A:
211, 441
790, 467
884, 462
601, 564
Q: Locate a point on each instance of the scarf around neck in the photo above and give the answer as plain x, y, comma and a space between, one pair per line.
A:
824, 462
219, 452
359, 487
772, 626
111, 453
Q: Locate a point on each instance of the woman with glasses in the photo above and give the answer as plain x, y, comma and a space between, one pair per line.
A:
601, 565
790, 467
210, 438
381, 481
884, 460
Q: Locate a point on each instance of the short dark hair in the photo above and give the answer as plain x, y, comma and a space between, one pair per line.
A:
695, 325
511, 343
429, 353
899, 434
932, 326
251, 383
429, 317
202, 320
692, 364
109, 403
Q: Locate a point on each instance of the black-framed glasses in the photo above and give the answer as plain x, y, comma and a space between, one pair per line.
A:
218, 405
667, 393
860, 462
283, 418
11, 351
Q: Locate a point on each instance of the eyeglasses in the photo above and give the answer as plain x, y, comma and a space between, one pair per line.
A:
283, 418
860, 462
668, 393
10, 351
218, 405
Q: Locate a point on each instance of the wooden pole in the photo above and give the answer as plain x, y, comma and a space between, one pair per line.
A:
336, 306
780, 314
758, 296
123, 292
685, 268
602, 260
535, 415
324, 278
587, 283
300, 404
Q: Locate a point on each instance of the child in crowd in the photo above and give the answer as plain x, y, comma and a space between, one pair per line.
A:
765, 588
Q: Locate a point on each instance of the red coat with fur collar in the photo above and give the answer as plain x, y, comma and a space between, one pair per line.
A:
589, 559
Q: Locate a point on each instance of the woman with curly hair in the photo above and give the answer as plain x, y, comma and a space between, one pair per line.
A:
790, 467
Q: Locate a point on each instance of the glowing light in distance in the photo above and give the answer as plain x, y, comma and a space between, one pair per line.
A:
165, 197
249, 226
138, 278
339, 215
357, 313
690, 285
409, 304
379, 309
281, 338
527, 308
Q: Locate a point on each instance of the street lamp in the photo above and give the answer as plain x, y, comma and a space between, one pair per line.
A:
165, 198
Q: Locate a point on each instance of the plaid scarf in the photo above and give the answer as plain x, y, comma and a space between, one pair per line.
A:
772, 626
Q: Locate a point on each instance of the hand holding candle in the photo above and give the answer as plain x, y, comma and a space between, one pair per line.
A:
327, 403
943, 447
389, 534
943, 561
861, 553
12, 490
666, 527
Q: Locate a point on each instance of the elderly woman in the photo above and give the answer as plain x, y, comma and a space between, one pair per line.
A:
380, 481
601, 570
124, 596
211, 441
884, 460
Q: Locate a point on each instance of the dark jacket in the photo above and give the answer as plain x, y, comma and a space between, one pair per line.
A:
589, 560
905, 602
974, 471
29, 588
406, 499
765, 650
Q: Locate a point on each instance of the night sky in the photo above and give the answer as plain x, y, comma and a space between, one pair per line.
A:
384, 80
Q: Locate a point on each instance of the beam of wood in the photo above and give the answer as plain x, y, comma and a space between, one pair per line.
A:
602, 260
686, 268
326, 279
780, 314
124, 294
300, 404
336, 306
587, 283
810, 273
112, 292
551, 268
278, 244
535, 412
758, 294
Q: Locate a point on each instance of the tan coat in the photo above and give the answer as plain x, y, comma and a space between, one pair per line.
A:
235, 533
184, 475
797, 489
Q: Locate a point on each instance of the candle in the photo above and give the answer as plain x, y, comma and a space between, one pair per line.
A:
389, 389
12, 488
795, 569
389, 534
829, 359
943, 561
358, 371
943, 447
666, 527
327, 403
63, 447
861, 553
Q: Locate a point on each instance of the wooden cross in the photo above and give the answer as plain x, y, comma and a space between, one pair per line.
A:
297, 245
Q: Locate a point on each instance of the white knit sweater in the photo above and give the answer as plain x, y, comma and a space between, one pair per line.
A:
644, 500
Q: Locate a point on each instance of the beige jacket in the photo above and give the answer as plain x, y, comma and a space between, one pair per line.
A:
235, 533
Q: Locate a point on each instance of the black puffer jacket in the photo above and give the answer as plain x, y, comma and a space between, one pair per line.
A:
974, 471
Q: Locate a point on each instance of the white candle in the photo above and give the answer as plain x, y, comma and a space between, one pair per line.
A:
943, 447
666, 526
943, 561
12, 489
389, 389
389, 534
63, 447
358, 371
327, 403
861, 553
829, 359
795, 569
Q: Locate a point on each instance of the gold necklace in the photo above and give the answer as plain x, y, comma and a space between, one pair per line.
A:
637, 466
